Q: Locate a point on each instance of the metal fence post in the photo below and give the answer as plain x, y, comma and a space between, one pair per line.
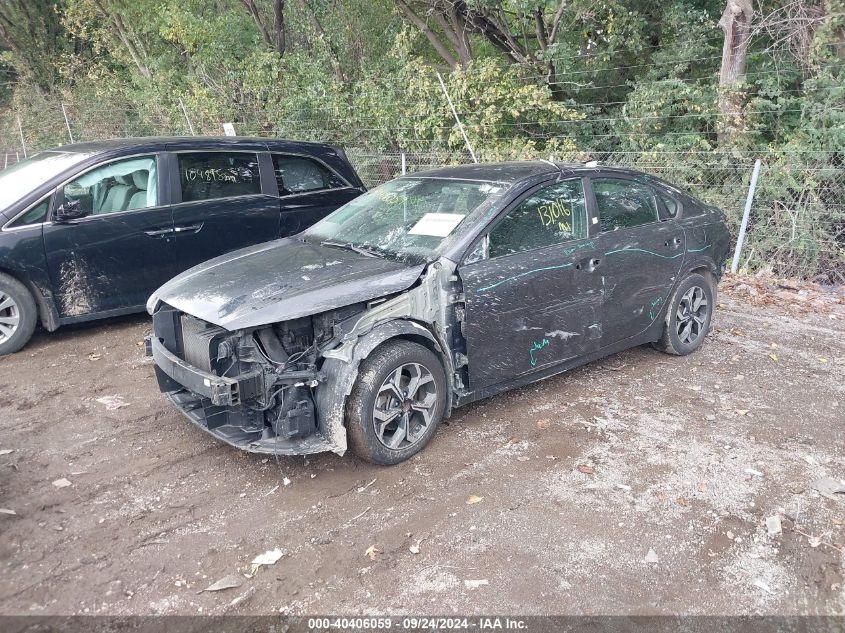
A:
187, 120
67, 123
742, 227
455, 113
403, 163
23, 143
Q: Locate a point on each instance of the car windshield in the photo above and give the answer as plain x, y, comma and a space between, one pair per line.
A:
19, 179
408, 218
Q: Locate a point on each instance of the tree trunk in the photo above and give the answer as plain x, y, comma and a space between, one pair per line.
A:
736, 24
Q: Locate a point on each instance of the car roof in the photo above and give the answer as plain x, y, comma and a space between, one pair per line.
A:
516, 171
185, 142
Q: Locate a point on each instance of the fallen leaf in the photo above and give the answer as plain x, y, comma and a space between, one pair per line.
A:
773, 345
587, 470
774, 357
371, 552
522, 458
475, 584
544, 423
229, 582
7, 511
94, 356
472, 499
113, 403
759, 583
660, 496
741, 411
681, 501
415, 547
822, 359
270, 557
701, 486
6, 451
62, 483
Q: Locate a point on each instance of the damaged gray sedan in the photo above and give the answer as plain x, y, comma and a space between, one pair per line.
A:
430, 292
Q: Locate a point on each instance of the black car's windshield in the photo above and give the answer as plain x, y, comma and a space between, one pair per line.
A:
406, 218
19, 179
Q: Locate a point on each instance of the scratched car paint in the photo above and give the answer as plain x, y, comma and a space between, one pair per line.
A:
428, 293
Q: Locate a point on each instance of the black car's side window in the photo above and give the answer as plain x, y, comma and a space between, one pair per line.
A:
37, 214
123, 185
213, 175
296, 174
624, 203
671, 205
552, 215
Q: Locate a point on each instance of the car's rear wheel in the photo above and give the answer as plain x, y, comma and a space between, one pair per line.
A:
18, 315
688, 317
397, 402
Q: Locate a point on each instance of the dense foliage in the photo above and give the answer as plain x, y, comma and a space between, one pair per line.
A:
634, 82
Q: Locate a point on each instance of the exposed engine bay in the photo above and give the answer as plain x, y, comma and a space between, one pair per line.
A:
272, 371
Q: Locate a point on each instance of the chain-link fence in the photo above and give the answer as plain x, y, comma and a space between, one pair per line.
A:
796, 227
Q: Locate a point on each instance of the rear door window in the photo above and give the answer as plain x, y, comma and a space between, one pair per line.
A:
624, 203
297, 174
214, 175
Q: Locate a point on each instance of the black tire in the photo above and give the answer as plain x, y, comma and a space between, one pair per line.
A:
419, 412
18, 315
682, 336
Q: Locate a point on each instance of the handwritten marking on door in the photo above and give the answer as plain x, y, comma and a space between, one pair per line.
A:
536, 347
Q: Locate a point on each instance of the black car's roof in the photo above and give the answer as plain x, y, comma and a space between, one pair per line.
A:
184, 142
515, 171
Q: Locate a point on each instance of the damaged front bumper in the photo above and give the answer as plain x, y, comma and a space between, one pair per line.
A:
226, 384
208, 400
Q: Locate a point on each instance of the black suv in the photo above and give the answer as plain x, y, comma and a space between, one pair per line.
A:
90, 230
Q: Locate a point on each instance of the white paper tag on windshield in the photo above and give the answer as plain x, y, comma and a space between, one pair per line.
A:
437, 224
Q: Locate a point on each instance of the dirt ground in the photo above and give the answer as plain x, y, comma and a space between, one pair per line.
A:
640, 484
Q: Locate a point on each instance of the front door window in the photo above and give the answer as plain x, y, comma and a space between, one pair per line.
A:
119, 186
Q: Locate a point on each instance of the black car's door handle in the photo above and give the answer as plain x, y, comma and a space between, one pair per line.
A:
188, 228
160, 232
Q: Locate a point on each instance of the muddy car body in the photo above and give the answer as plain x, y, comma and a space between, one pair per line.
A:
473, 280
88, 231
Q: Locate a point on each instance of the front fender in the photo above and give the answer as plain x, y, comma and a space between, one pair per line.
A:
340, 369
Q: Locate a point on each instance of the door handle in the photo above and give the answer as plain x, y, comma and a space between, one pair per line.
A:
188, 228
160, 232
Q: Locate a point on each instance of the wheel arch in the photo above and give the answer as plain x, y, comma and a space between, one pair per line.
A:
340, 371
47, 314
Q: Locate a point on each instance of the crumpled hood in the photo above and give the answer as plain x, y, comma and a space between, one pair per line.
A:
281, 280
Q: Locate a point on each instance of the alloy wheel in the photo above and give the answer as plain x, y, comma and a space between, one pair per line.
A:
10, 317
404, 406
691, 315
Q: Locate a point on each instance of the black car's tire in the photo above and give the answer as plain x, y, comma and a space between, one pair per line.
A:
688, 317
18, 315
401, 378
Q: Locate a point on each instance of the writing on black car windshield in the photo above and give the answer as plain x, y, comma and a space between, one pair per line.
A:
405, 217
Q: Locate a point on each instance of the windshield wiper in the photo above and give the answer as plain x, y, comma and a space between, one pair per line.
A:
352, 247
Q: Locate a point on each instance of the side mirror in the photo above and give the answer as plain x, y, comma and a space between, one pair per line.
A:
70, 210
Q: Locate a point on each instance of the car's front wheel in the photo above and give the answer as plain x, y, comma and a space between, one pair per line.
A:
688, 317
397, 402
18, 315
